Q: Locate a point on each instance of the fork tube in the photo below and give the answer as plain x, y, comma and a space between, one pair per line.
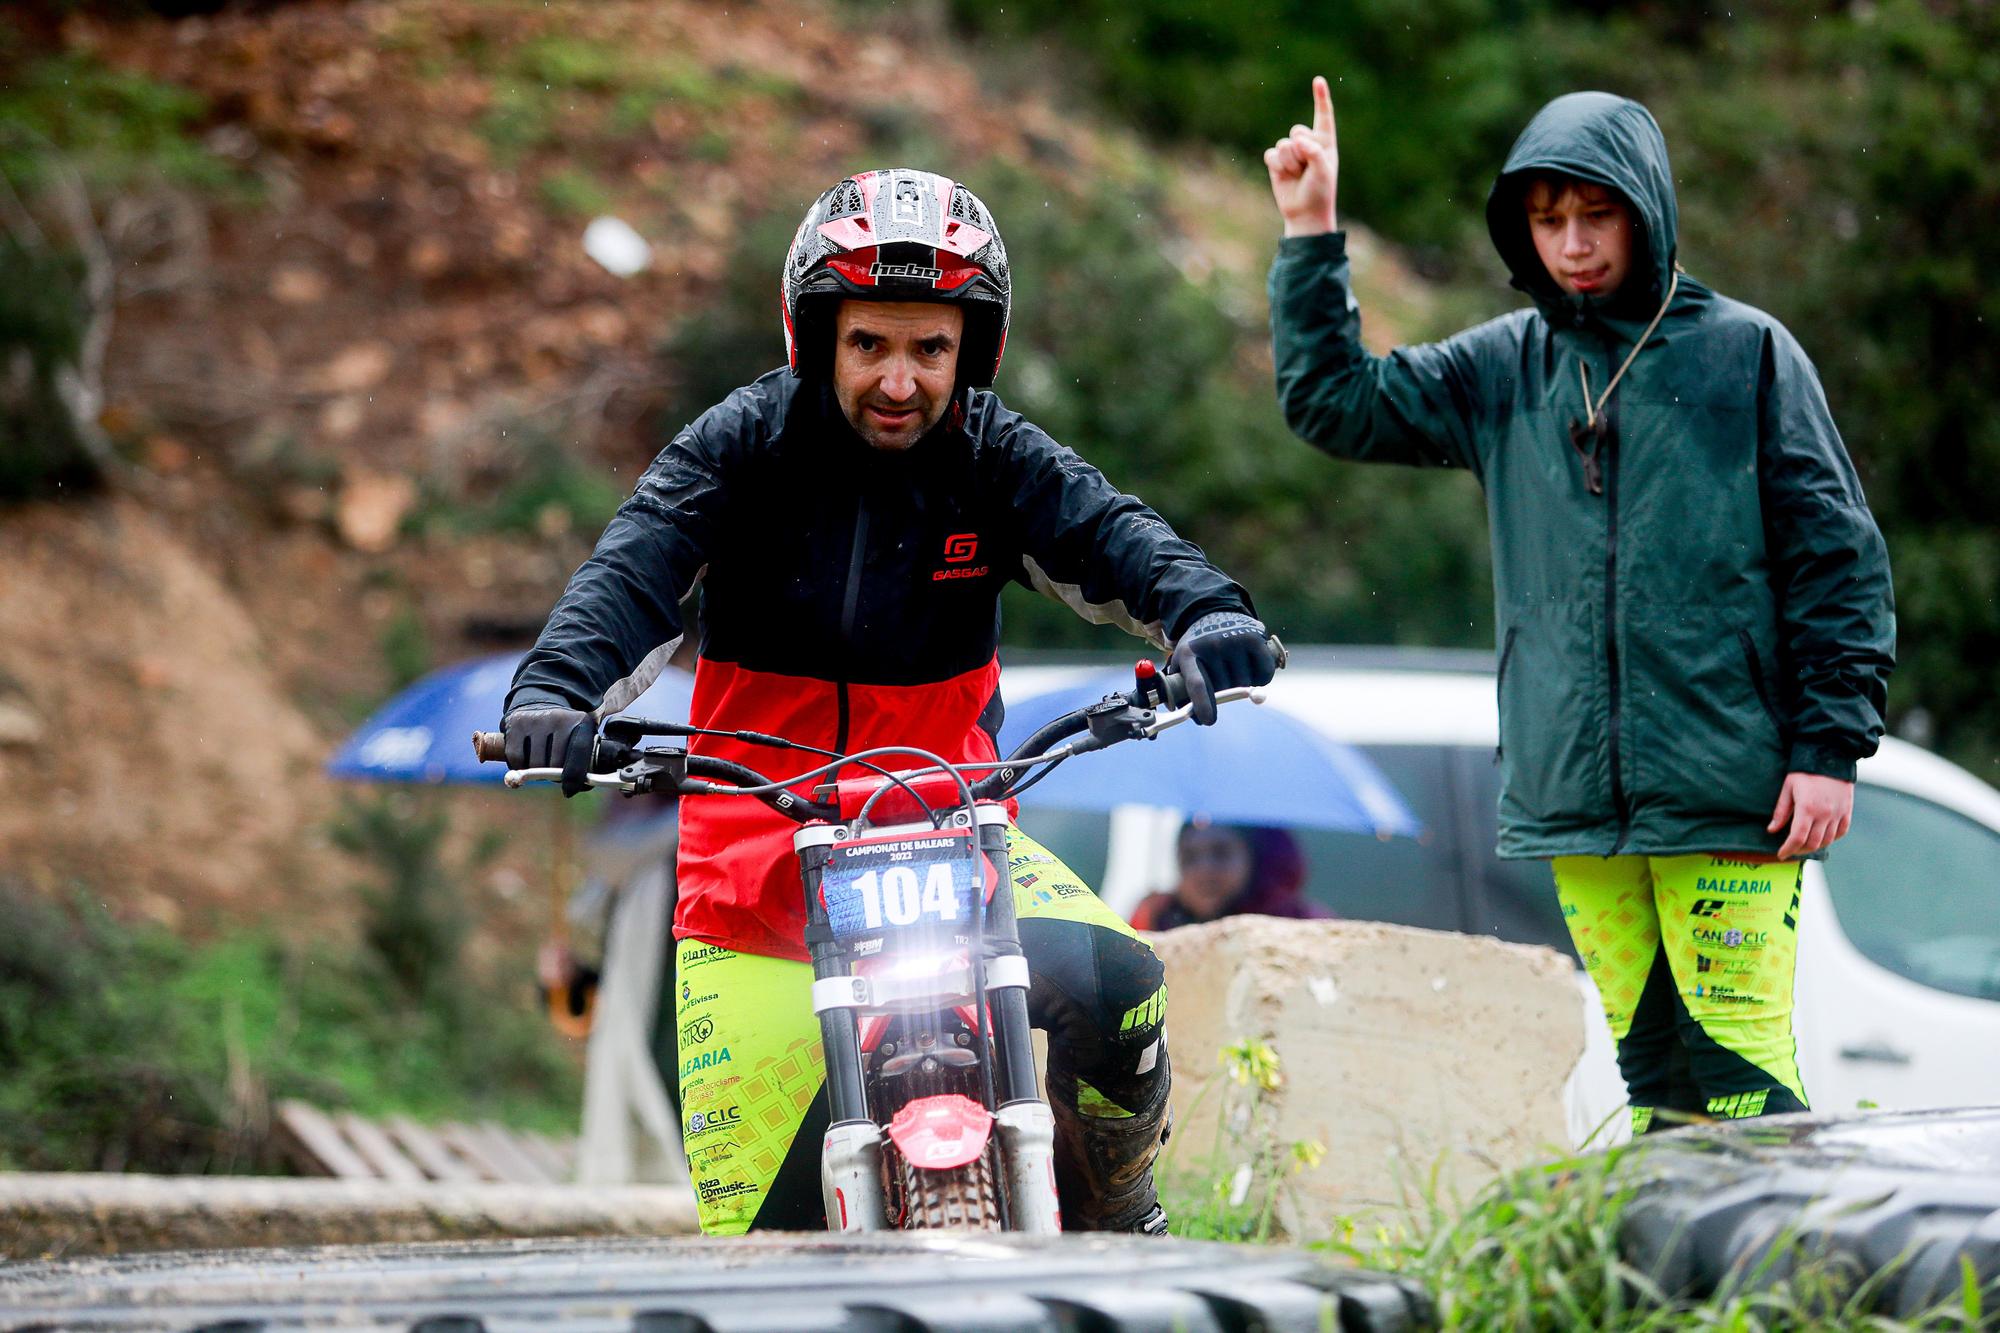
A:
1012, 1045
839, 1032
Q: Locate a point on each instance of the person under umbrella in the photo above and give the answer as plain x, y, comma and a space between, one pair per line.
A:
1231, 870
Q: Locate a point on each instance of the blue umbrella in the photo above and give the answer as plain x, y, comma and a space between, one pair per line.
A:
424, 734
1257, 765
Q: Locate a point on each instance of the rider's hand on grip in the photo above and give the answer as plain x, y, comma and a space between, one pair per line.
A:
546, 736
1222, 650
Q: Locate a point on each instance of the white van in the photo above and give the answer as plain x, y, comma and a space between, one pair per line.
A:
1899, 946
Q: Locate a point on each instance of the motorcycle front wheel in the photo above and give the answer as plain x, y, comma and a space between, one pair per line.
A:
962, 1198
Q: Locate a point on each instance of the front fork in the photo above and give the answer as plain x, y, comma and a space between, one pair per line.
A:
851, 1176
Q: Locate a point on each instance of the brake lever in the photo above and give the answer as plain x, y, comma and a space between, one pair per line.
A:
638, 771
521, 777
1173, 717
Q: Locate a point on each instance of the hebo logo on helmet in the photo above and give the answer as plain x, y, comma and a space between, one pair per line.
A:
915, 272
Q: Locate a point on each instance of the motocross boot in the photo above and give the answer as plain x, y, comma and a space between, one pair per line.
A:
1106, 1140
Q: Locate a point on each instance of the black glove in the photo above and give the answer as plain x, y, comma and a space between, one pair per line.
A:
1222, 650
549, 736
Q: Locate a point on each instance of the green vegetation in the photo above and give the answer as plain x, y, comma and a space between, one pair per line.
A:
74, 134
575, 193
117, 129
406, 647
539, 488
519, 120
126, 1048
581, 89
1538, 1250
42, 322
1232, 1191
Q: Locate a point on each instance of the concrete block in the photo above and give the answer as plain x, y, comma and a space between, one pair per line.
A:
1403, 1052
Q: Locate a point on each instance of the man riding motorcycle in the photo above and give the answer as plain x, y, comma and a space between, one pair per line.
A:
851, 520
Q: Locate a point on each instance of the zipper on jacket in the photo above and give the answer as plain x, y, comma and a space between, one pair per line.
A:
1611, 628
1500, 680
850, 604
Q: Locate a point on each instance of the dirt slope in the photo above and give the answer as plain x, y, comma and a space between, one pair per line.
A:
158, 760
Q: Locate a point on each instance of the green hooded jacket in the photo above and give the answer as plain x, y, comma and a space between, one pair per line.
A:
1716, 611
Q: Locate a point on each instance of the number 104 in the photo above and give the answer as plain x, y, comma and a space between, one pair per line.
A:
895, 893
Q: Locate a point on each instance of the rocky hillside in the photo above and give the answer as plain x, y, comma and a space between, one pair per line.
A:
377, 394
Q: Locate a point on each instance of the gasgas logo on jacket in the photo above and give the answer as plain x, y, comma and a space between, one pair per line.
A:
959, 551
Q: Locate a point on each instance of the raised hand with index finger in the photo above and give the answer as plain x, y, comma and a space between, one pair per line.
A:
1305, 169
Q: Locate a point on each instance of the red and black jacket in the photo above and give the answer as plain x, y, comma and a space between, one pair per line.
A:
850, 598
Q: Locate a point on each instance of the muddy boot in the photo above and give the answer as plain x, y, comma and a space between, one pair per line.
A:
1106, 1140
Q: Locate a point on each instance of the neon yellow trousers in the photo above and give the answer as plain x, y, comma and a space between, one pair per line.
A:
1693, 957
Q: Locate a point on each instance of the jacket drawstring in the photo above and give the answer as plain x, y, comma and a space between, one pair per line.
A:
1593, 473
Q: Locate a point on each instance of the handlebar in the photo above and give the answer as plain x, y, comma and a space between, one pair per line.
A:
1120, 716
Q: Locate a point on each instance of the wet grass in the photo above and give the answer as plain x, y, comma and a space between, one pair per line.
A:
1537, 1251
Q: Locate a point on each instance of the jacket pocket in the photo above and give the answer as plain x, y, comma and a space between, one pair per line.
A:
1705, 751
1755, 662
1554, 724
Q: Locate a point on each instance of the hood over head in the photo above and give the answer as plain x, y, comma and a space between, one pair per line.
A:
1611, 141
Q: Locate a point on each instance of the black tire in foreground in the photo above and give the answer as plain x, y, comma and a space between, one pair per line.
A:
903, 1283
1898, 1200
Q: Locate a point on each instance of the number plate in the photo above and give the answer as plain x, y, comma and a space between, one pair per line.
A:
918, 881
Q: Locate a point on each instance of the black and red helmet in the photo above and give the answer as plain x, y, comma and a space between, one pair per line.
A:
898, 235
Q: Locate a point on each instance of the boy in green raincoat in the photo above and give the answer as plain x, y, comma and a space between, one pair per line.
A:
1692, 599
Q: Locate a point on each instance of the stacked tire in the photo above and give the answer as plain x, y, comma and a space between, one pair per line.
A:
1900, 1203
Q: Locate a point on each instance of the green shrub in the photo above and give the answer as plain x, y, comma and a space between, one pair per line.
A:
539, 489
412, 918
118, 129
125, 1048
406, 647
94, 1073
575, 193
42, 324
518, 120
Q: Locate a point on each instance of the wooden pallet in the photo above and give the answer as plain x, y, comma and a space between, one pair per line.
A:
349, 1147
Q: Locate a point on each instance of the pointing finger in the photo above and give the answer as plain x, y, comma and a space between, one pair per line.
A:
1322, 109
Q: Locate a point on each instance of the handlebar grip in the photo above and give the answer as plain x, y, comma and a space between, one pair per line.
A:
1174, 686
490, 746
